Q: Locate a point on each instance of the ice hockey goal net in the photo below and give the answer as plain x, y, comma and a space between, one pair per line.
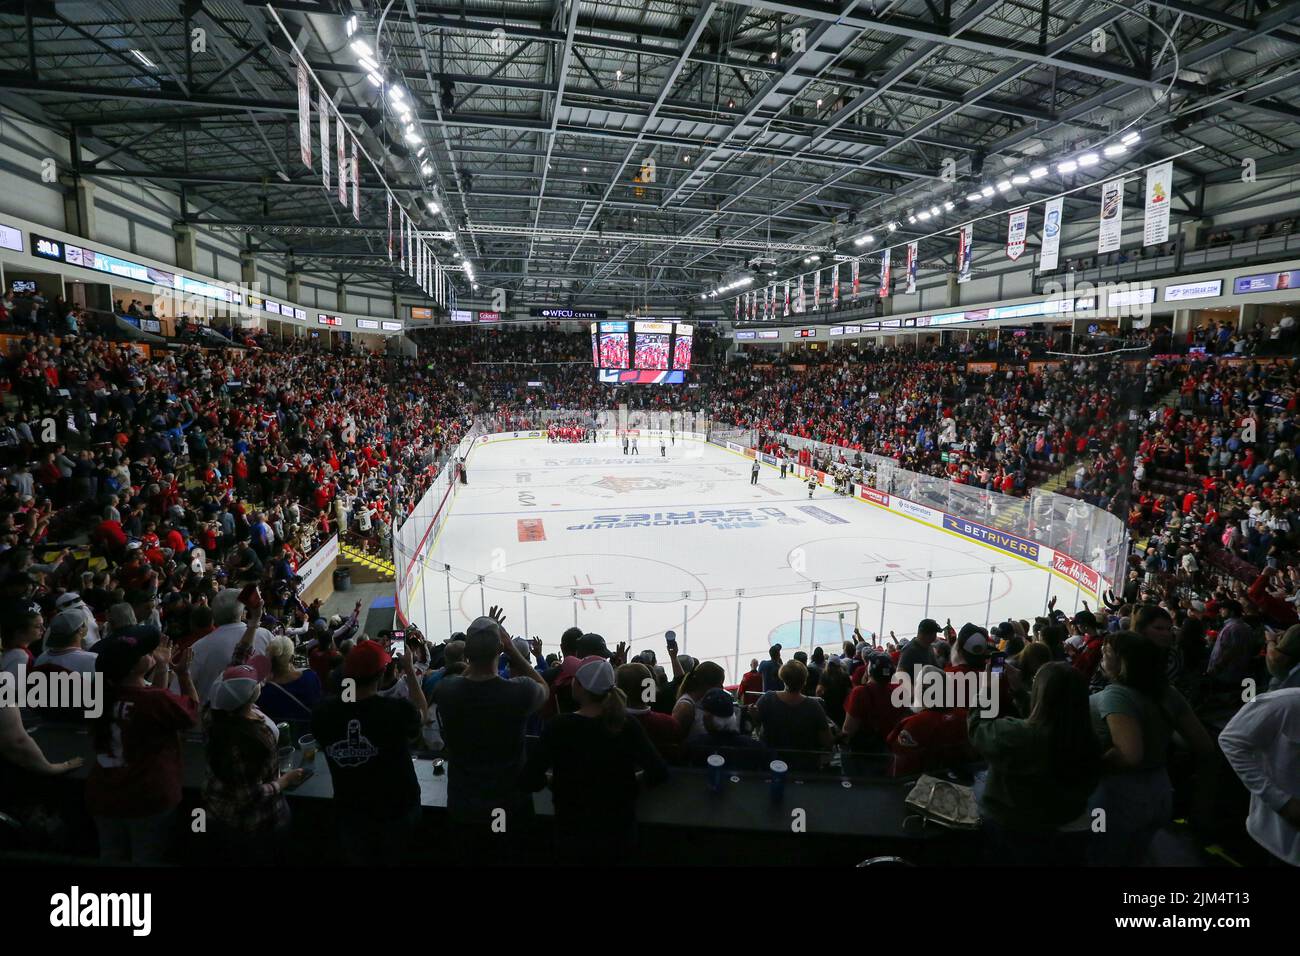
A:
827, 623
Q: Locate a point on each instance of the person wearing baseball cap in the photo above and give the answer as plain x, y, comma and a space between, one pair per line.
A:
244, 792
771, 669
134, 786
741, 751
64, 645
71, 601
483, 717
593, 755
1282, 655
366, 738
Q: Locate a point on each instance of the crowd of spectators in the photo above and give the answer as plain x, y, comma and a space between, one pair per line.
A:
144, 493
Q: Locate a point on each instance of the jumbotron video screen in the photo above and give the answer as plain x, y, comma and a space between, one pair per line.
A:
641, 351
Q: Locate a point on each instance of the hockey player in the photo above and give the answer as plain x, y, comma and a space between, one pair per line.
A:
663, 449
634, 448
812, 483
625, 444
785, 465
753, 473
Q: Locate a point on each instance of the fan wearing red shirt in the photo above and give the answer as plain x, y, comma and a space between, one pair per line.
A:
931, 739
870, 714
134, 785
751, 685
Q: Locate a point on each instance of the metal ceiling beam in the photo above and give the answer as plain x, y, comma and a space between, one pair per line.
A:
701, 22
561, 78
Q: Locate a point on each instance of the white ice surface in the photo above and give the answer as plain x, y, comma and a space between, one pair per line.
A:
683, 574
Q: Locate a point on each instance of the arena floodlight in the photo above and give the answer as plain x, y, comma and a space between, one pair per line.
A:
1038, 172
1088, 159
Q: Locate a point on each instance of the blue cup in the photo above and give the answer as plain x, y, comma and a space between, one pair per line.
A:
779, 772
716, 764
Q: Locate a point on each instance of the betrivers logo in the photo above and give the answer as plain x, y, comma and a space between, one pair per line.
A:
78, 910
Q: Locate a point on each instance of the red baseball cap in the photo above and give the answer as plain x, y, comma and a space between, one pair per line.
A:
366, 659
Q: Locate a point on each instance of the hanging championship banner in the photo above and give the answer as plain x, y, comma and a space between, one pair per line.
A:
911, 268
769, 299
340, 159
304, 114
1159, 187
817, 291
787, 298
1051, 234
390, 225
801, 307
965, 239
856, 265
323, 107
1111, 226
884, 273
835, 285
1017, 230
356, 184
752, 294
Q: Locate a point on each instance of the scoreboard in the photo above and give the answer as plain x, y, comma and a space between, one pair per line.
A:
642, 350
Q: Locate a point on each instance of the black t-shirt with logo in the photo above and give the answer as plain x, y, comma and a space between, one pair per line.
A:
367, 744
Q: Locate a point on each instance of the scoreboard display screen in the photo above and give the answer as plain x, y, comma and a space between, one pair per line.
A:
642, 346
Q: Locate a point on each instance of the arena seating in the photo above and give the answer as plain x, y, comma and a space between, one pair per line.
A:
116, 467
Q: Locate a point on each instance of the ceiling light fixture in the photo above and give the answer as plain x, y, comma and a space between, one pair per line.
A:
1088, 159
1038, 172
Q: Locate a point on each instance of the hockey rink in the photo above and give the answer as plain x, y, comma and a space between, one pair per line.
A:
630, 546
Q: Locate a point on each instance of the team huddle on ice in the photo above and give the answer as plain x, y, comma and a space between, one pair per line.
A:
570, 433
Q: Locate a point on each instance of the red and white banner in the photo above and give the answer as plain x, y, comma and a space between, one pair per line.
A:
800, 302
1076, 571
876, 497
857, 263
884, 273
1017, 230
323, 107
965, 242
341, 159
835, 285
390, 225
787, 298
817, 290
356, 184
304, 114
911, 268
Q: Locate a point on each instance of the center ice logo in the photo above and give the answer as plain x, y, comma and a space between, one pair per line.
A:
623, 486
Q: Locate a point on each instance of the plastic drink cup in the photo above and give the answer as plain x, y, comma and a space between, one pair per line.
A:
307, 745
716, 764
779, 772
286, 759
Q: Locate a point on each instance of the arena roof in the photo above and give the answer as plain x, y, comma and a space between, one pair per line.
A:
774, 127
